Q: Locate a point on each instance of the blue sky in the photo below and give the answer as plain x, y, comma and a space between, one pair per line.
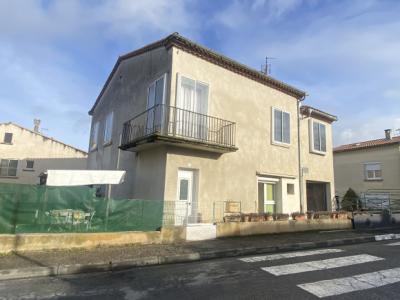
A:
56, 55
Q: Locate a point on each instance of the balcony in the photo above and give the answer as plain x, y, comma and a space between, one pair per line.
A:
172, 125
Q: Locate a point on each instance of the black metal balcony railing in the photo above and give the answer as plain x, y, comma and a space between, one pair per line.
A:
174, 122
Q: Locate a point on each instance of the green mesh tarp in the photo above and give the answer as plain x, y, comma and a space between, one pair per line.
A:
36, 208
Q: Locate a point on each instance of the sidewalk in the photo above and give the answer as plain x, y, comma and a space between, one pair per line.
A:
45, 263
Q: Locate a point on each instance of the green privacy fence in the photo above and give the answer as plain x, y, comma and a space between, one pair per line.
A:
36, 208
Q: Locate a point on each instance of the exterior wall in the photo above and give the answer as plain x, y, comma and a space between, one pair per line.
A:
126, 97
153, 173
349, 169
45, 152
233, 176
320, 166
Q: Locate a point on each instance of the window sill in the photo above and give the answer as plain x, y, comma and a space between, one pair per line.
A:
3, 143
318, 152
10, 177
93, 149
279, 144
28, 170
378, 179
107, 144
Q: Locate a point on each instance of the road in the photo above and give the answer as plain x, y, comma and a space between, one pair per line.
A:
364, 271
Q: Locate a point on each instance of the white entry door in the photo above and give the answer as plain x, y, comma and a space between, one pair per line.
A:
183, 207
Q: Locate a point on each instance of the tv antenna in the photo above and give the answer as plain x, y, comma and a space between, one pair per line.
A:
266, 69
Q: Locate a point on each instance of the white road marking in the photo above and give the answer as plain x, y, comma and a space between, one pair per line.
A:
289, 255
325, 288
321, 264
394, 244
390, 236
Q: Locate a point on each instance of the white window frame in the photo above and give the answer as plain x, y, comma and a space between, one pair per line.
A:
274, 141
8, 167
108, 127
374, 178
94, 135
164, 76
311, 133
178, 99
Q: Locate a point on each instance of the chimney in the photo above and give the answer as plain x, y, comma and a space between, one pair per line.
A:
388, 134
36, 126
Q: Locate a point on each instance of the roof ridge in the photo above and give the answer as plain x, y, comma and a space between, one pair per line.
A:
177, 40
45, 136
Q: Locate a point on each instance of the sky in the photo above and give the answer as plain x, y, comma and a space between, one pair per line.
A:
56, 55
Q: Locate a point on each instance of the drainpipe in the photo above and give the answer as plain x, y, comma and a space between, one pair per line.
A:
299, 154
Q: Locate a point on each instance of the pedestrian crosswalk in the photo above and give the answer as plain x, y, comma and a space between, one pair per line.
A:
325, 288
289, 255
321, 264
331, 287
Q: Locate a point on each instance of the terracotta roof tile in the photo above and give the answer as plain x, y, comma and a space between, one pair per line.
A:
367, 144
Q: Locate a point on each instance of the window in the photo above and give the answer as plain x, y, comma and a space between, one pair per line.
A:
29, 164
8, 167
8, 138
94, 137
290, 189
318, 137
373, 171
155, 101
281, 126
108, 128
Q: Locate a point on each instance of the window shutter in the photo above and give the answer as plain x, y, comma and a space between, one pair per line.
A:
286, 127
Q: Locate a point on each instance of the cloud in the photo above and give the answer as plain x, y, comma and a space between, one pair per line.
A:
49, 57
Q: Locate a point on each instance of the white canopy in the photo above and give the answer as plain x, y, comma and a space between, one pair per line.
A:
83, 177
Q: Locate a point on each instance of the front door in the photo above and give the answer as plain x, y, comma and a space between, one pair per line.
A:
316, 196
266, 197
183, 208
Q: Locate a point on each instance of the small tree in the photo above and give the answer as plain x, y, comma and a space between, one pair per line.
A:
351, 201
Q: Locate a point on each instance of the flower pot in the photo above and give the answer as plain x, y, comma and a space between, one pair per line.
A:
310, 215
281, 217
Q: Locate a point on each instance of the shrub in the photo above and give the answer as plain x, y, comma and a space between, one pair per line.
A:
351, 201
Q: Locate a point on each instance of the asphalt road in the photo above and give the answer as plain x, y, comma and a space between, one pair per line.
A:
364, 271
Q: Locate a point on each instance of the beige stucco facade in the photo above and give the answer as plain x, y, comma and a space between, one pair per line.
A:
218, 177
46, 153
350, 169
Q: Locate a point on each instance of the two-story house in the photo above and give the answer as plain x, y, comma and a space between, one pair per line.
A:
192, 126
25, 154
372, 165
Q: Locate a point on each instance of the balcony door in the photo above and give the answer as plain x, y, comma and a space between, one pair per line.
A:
191, 109
155, 108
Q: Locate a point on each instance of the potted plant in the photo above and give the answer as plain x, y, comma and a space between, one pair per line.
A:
342, 215
268, 217
253, 217
298, 216
310, 215
281, 217
245, 217
323, 215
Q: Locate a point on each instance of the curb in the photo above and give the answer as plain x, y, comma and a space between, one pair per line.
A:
58, 270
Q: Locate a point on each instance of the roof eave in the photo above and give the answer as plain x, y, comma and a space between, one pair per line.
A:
200, 51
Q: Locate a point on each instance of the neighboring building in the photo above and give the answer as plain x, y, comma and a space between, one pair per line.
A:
189, 124
25, 154
369, 165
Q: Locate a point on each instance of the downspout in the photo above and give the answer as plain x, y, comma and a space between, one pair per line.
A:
301, 191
